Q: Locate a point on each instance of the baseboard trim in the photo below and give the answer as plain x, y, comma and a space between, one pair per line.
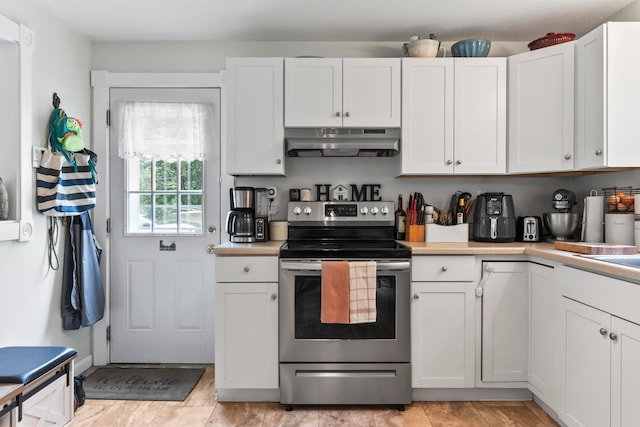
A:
245, 395
83, 364
546, 408
473, 394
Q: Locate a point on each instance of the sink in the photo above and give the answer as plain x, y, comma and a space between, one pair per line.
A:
624, 260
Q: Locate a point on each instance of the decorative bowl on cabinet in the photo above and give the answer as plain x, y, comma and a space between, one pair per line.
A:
471, 48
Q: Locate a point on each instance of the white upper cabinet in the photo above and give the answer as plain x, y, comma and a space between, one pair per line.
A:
607, 94
334, 92
453, 116
16, 57
427, 116
255, 131
541, 107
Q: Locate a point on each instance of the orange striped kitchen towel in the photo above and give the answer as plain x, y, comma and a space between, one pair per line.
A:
362, 292
334, 292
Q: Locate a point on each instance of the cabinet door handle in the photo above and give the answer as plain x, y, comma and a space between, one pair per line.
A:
613, 337
458, 162
567, 156
347, 114
246, 269
273, 297
449, 162
416, 296
278, 161
603, 332
598, 152
444, 268
337, 113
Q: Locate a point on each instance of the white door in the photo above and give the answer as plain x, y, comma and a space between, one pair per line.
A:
164, 215
312, 92
480, 124
504, 323
587, 365
371, 92
450, 363
625, 373
427, 116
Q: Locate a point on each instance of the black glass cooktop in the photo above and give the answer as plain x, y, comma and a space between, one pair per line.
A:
344, 249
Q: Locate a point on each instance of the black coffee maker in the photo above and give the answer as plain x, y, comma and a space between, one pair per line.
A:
494, 218
241, 217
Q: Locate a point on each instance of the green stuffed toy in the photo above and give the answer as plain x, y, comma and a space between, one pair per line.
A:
66, 131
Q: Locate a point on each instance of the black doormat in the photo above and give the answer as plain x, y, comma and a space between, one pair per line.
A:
142, 383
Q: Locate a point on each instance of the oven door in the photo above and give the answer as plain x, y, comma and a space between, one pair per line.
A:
304, 338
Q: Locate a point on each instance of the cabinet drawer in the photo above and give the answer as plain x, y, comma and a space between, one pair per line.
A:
246, 269
451, 268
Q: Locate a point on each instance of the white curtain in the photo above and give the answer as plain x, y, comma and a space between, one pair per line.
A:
164, 130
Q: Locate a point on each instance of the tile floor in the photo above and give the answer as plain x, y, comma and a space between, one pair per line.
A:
201, 409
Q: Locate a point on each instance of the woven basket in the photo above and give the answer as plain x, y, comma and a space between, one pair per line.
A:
551, 39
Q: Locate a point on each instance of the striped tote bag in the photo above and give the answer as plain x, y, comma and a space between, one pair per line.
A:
65, 183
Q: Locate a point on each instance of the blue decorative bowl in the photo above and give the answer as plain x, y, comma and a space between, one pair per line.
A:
471, 48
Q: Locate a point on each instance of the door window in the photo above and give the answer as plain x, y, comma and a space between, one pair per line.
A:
164, 144
164, 196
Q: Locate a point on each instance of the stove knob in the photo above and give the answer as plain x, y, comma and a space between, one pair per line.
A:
307, 210
364, 210
297, 210
384, 210
374, 210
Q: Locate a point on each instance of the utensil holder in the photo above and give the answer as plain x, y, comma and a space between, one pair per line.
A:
447, 233
415, 233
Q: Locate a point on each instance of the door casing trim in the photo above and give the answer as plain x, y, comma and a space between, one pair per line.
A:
101, 83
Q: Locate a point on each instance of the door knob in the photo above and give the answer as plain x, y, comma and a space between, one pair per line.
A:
603, 332
613, 337
211, 229
567, 156
210, 249
416, 296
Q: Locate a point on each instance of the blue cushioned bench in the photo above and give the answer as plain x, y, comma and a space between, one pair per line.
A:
25, 371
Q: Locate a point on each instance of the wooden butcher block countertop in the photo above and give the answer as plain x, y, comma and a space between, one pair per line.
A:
540, 250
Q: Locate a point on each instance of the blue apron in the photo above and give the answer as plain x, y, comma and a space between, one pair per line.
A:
82, 291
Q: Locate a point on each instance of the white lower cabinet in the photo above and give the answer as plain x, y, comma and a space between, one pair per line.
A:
543, 332
602, 374
504, 321
443, 322
246, 323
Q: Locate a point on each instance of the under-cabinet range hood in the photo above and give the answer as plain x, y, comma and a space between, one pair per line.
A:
342, 142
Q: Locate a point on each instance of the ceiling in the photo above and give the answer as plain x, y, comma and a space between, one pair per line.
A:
328, 20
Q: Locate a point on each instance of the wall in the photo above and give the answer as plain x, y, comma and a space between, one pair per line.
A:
211, 56
30, 313
532, 196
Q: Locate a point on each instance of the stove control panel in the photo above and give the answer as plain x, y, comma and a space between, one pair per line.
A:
340, 212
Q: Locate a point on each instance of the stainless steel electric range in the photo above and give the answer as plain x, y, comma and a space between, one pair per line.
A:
329, 363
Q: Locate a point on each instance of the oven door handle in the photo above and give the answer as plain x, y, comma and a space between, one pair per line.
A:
317, 266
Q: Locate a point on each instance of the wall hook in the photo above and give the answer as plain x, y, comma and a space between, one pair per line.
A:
56, 100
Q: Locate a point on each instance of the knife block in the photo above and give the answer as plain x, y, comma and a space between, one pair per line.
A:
415, 233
